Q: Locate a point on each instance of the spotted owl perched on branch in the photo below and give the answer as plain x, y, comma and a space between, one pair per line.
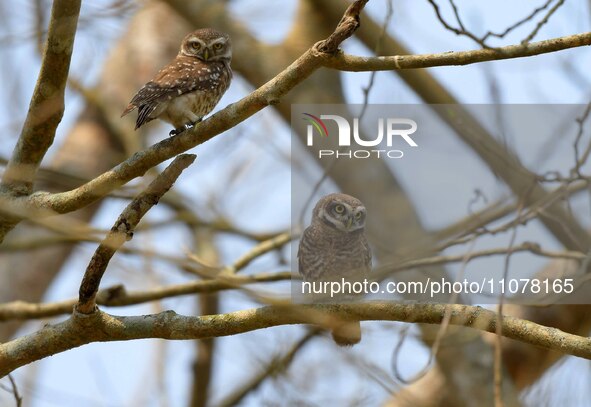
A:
190, 86
334, 246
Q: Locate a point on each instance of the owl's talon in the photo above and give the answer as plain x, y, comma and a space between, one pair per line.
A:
184, 127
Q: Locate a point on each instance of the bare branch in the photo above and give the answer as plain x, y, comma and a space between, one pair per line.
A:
352, 63
123, 230
482, 40
518, 23
270, 93
260, 249
580, 160
275, 366
14, 388
542, 22
142, 161
47, 104
117, 296
346, 27
81, 329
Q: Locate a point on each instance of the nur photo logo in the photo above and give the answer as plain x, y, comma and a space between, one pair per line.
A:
389, 129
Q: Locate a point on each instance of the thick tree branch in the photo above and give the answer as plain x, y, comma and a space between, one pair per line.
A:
123, 230
81, 329
47, 104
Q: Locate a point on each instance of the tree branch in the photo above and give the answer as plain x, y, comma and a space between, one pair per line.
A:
123, 230
276, 366
352, 63
270, 93
117, 296
81, 329
346, 27
44, 204
47, 104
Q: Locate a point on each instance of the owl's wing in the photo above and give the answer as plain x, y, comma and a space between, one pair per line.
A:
309, 262
149, 97
301, 260
367, 255
174, 80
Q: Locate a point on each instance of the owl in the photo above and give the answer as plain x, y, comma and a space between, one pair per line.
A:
334, 246
190, 86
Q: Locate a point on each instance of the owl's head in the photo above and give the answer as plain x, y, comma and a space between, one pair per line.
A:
340, 211
207, 45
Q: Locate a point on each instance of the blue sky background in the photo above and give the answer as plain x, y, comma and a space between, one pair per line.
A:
122, 374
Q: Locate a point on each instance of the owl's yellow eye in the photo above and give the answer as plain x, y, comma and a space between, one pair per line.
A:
358, 215
217, 46
339, 209
195, 45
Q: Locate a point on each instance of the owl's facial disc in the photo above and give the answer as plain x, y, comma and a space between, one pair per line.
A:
192, 47
344, 217
220, 49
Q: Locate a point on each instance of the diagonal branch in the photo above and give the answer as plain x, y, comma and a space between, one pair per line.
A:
276, 366
123, 230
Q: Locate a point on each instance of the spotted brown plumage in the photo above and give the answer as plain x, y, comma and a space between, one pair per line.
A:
190, 86
334, 246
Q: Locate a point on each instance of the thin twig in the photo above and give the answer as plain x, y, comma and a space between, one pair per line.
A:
580, 160
117, 296
518, 23
482, 40
498, 354
277, 365
257, 251
14, 388
345, 28
542, 22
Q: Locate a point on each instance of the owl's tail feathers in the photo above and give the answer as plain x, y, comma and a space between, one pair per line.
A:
144, 112
347, 334
128, 109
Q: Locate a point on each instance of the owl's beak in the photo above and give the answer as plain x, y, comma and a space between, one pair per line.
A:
349, 222
206, 54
